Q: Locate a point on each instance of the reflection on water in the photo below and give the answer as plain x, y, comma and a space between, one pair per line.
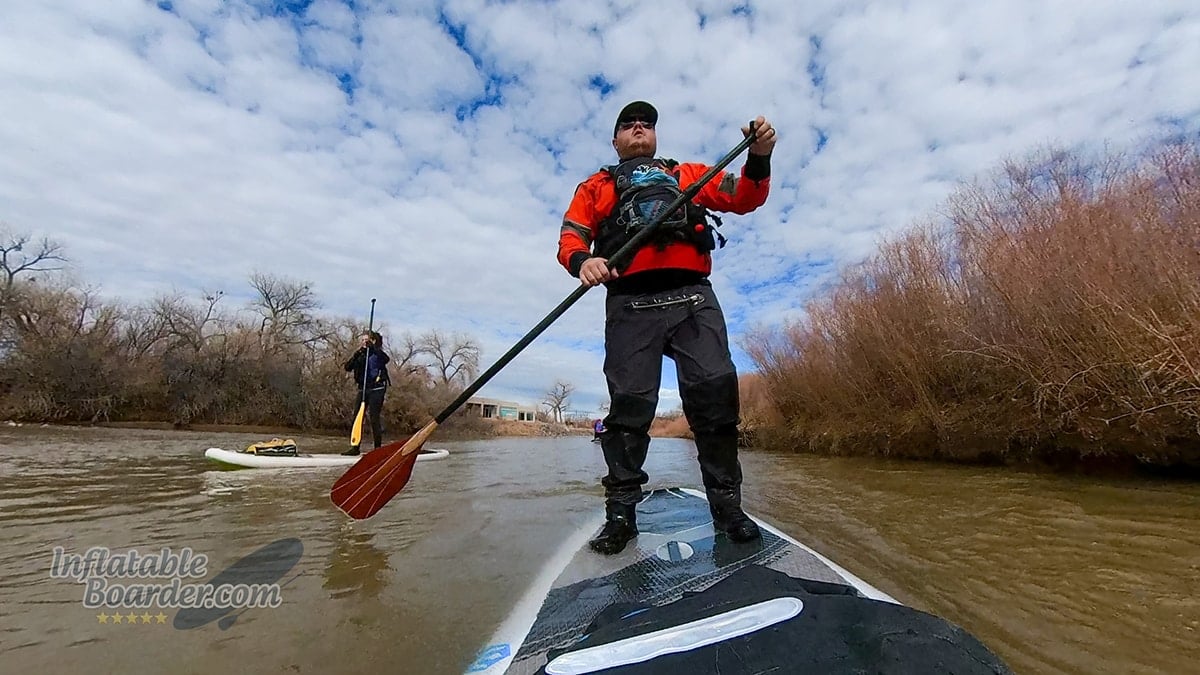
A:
355, 566
1057, 574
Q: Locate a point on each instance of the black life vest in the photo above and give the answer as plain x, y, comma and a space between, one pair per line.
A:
645, 188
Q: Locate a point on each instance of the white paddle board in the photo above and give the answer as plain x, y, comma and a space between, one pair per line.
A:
251, 461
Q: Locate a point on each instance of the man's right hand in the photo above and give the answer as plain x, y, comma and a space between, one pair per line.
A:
595, 271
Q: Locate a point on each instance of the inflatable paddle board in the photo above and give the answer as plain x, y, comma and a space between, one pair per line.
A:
683, 599
246, 460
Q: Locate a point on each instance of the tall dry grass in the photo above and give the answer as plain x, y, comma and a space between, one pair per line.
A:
756, 411
1052, 313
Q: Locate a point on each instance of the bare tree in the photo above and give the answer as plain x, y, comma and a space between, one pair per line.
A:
404, 350
557, 399
285, 307
455, 358
185, 322
41, 312
61, 311
16, 259
142, 329
92, 316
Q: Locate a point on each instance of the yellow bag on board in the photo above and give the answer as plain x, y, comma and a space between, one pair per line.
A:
276, 447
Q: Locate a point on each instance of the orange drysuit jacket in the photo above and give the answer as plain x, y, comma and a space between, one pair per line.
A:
596, 197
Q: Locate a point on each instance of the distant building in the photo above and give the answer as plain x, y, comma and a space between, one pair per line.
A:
490, 408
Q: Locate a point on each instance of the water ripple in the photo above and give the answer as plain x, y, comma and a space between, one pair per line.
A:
1057, 574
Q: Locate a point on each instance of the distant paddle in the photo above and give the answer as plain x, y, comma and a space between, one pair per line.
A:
381, 474
356, 429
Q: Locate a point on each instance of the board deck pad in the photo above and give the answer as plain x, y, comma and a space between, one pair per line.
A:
677, 551
640, 574
676, 555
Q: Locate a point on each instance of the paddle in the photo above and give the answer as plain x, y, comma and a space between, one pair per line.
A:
381, 474
357, 428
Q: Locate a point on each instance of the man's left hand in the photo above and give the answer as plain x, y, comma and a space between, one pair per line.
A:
765, 135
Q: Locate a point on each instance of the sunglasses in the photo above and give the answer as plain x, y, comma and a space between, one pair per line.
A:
631, 123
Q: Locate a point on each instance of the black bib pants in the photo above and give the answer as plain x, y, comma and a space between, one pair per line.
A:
687, 325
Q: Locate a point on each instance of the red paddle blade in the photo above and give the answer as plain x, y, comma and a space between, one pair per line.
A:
373, 480
364, 495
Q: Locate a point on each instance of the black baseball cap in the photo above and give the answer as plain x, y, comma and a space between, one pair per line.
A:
638, 109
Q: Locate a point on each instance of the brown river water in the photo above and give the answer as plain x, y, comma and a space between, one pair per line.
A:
1056, 574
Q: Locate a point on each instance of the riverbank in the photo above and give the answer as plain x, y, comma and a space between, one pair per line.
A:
456, 429
470, 431
1087, 462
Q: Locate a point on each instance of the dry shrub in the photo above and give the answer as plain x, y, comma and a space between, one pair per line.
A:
670, 426
66, 355
1056, 312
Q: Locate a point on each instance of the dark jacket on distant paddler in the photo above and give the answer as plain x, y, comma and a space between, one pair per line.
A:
375, 367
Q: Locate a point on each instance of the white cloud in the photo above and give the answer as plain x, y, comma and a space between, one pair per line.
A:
423, 153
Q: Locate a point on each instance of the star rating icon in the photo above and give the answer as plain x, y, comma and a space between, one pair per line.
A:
131, 618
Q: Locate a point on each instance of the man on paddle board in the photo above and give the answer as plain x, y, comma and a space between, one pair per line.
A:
370, 361
662, 304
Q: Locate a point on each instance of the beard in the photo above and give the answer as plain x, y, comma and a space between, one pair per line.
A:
638, 147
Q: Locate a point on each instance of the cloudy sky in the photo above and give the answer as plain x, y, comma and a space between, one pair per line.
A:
423, 153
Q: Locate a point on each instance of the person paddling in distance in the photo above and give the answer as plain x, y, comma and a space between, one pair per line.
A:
662, 304
370, 361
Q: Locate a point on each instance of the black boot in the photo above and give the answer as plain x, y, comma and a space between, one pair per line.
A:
742, 530
725, 505
619, 529
722, 475
352, 451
